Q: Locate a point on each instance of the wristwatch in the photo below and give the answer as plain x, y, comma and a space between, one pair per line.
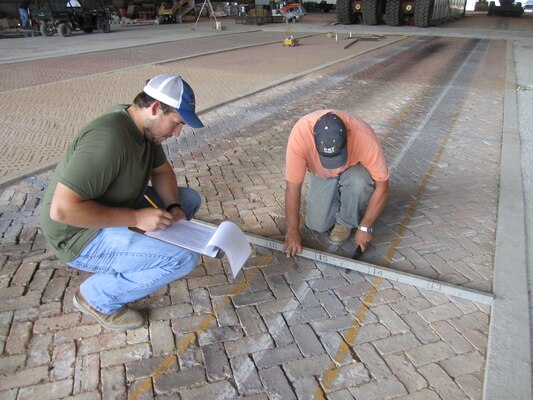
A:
367, 229
173, 205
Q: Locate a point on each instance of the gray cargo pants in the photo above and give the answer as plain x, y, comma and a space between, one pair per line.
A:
343, 198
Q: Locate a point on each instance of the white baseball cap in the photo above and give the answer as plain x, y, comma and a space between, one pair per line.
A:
175, 92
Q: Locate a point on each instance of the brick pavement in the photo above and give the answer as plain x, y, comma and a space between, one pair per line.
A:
56, 113
287, 328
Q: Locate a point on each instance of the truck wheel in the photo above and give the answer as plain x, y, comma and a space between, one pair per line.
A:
423, 13
46, 29
64, 29
372, 12
345, 14
106, 26
490, 12
393, 13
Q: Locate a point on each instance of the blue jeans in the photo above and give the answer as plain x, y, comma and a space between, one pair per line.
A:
24, 18
128, 266
340, 199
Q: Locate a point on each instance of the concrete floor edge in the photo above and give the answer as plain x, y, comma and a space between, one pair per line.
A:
508, 366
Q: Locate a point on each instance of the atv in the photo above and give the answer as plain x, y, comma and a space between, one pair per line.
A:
56, 16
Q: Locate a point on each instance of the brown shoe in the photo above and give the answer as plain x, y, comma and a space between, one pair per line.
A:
122, 320
339, 234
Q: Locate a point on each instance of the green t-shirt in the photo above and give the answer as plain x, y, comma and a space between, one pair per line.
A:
110, 162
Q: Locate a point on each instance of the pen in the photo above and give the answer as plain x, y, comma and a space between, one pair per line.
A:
150, 201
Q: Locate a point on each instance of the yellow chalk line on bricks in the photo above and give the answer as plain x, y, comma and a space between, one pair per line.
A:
351, 335
205, 323
328, 378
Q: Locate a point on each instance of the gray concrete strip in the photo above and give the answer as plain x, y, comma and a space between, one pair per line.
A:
508, 368
30, 171
524, 80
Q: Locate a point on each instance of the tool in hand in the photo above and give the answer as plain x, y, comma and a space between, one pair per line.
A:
357, 253
355, 256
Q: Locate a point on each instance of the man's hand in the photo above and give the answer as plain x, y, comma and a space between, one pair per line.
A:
376, 203
177, 214
362, 239
151, 219
293, 240
293, 243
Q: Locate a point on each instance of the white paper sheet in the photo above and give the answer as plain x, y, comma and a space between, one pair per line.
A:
207, 240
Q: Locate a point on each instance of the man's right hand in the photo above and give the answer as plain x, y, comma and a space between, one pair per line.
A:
151, 219
293, 240
293, 244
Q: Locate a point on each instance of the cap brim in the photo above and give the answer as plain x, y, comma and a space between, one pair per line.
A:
338, 161
190, 119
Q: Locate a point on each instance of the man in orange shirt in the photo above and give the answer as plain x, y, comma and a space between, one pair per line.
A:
348, 181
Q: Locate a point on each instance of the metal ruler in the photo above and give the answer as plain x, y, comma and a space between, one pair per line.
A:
373, 270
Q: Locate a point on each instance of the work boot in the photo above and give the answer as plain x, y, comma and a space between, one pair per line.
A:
339, 234
122, 320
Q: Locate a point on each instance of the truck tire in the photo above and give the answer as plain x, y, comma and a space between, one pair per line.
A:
490, 12
106, 26
345, 14
394, 13
423, 13
372, 12
46, 29
64, 30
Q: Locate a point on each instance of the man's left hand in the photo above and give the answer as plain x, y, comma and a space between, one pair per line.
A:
177, 214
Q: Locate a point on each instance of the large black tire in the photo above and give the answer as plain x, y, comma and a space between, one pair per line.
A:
490, 12
519, 9
64, 30
394, 13
345, 14
372, 12
106, 26
46, 29
423, 12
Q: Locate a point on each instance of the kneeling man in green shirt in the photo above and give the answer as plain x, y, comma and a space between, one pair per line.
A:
98, 191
